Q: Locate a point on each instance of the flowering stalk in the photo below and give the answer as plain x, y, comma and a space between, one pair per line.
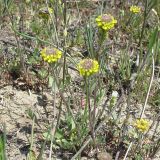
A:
105, 23
135, 10
51, 56
88, 67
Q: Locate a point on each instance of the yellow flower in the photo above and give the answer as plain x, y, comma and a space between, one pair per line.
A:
106, 22
135, 9
45, 12
88, 67
142, 125
50, 55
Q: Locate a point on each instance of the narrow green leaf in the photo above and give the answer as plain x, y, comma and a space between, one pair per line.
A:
153, 39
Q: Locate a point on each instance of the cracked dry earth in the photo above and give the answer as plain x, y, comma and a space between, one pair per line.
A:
14, 108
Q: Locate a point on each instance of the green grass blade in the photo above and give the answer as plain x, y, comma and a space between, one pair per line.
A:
3, 144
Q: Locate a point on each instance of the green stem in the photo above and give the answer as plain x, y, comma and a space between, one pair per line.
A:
53, 128
91, 124
143, 26
65, 25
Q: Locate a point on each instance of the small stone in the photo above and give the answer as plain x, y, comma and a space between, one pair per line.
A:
48, 97
83, 158
104, 156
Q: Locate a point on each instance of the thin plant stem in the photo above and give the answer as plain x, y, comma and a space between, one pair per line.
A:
56, 14
53, 129
144, 23
94, 110
3, 137
32, 133
91, 124
130, 145
149, 88
53, 23
65, 25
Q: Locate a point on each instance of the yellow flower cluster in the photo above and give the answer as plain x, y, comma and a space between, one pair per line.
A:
106, 22
135, 9
88, 67
50, 55
142, 125
45, 12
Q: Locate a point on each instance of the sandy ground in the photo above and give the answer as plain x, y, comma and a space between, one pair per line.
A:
14, 108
